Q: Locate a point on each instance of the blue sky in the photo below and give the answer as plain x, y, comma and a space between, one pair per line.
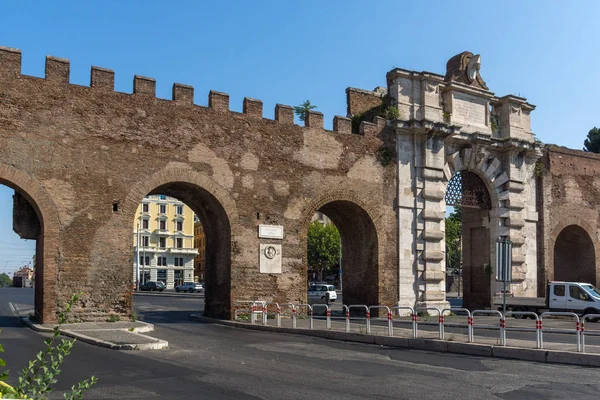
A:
287, 52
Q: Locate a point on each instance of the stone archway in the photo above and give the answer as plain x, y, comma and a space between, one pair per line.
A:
216, 212
47, 243
574, 256
467, 191
363, 281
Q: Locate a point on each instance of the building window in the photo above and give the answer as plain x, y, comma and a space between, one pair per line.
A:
179, 243
162, 208
161, 261
163, 197
180, 210
162, 242
179, 225
145, 224
146, 259
162, 224
145, 207
145, 241
179, 262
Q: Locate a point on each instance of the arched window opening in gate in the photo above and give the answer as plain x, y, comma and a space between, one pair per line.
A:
574, 256
467, 240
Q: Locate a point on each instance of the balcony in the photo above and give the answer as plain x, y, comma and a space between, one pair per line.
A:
147, 249
183, 250
162, 232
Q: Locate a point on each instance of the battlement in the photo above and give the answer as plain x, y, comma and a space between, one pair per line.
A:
57, 72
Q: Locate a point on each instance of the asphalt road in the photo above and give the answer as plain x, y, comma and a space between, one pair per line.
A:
216, 362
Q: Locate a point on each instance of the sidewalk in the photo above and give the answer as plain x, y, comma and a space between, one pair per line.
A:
120, 335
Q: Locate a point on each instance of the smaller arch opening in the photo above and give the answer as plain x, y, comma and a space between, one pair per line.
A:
574, 256
359, 252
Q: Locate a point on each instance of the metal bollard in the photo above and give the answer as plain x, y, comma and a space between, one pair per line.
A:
412, 314
565, 314
347, 313
439, 313
367, 316
387, 309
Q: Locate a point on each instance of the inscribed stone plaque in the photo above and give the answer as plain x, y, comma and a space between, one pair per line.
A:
270, 258
469, 109
270, 231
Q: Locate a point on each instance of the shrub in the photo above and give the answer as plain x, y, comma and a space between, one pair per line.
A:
37, 378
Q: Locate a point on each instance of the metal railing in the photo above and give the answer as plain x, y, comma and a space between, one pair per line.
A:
389, 317
568, 331
583, 333
537, 329
260, 309
440, 319
469, 321
367, 316
501, 326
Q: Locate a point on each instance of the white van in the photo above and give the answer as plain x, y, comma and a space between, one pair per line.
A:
321, 293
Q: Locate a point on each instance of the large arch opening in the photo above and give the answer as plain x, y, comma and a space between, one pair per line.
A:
574, 256
468, 265
21, 252
359, 262
173, 219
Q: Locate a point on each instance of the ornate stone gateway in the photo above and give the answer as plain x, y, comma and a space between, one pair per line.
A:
458, 144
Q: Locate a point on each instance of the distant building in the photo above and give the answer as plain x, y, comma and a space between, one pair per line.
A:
322, 218
23, 277
200, 244
166, 235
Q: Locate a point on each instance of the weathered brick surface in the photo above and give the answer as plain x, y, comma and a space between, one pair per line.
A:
569, 208
360, 101
74, 151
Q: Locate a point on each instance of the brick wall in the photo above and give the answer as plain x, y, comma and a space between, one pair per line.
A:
76, 151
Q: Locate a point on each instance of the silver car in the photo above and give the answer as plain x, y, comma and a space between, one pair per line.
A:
190, 287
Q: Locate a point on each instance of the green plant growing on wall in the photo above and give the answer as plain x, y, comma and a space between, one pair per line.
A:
303, 109
356, 120
385, 156
487, 270
385, 110
37, 378
539, 168
494, 124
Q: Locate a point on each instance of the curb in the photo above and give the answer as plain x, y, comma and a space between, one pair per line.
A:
442, 346
156, 345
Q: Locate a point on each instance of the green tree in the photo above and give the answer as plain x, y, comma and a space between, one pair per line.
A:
323, 247
5, 280
303, 108
592, 143
453, 243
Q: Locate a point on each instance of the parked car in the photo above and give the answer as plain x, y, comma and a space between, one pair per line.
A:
321, 294
190, 287
152, 286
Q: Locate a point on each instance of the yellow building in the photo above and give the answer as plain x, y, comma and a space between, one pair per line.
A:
200, 244
166, 241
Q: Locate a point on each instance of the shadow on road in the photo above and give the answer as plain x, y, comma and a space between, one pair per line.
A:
166, 317
11, 322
